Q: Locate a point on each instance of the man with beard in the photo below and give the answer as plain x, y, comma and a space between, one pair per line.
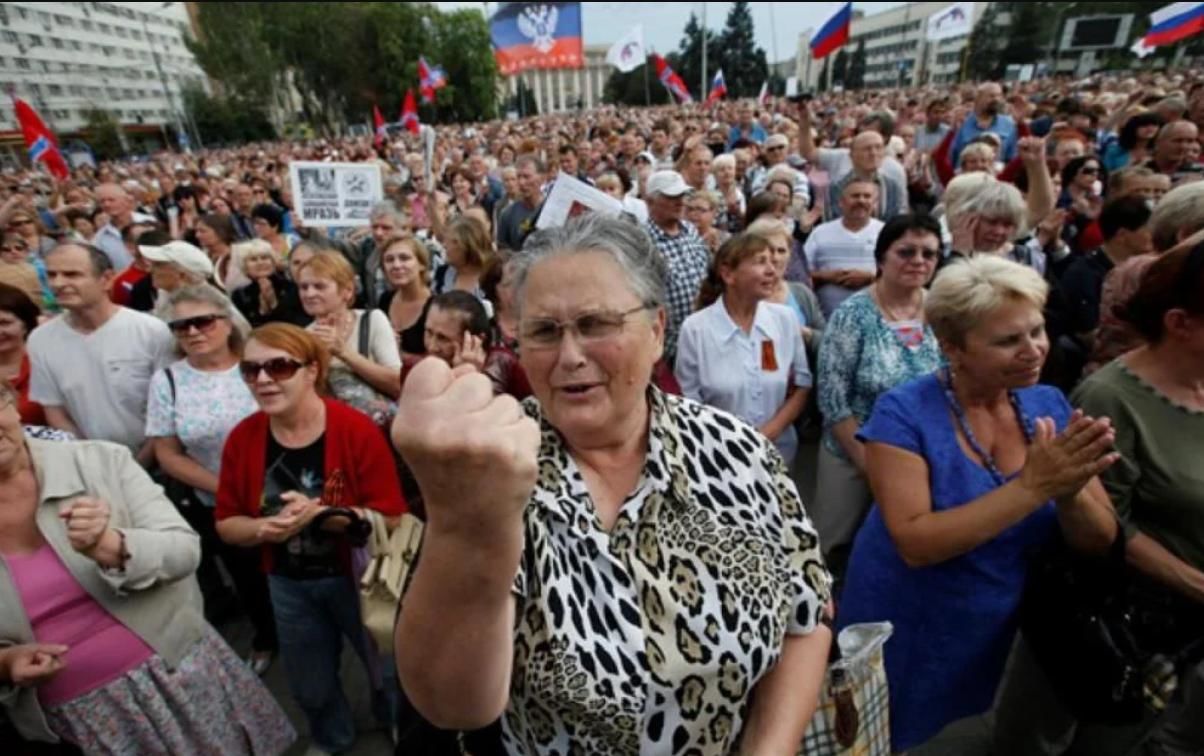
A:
987, 117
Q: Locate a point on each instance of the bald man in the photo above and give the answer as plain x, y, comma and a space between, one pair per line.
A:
1173, 150
117, 203
988, 116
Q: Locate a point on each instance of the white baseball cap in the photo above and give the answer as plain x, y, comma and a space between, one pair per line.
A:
667, 184
190, 258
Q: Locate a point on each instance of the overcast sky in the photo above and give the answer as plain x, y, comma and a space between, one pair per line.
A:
663, 23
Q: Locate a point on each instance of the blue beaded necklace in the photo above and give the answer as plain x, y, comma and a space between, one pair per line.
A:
946, 380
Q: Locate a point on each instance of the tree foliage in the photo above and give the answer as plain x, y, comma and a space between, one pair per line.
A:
855, 76
103, 134
628, 88
689, 56
223, 120
840, 68
744, 64
343, 57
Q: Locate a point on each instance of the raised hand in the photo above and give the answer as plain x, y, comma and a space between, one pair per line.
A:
470, 351
474, 454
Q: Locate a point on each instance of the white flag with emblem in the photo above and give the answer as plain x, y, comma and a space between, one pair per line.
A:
955, 21
628, 53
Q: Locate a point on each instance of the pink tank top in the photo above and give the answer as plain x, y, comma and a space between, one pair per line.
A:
100, 649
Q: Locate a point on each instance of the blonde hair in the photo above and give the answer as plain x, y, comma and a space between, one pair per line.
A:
767, 228
242, 250
710, 198
334, 267
473, 237
981, 149
967, 292
1180, 212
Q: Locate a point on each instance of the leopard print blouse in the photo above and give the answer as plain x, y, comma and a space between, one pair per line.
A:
649, 639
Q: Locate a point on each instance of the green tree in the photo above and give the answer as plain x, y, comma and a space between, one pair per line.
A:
222, 120
985, 46
234, 51
690, 55
823, 74
855, 76
1030, 24
744, 65
103, 134
628, 88
524, 100
840, 68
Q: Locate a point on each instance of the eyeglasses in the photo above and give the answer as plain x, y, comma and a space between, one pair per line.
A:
1089, 170
203, 323
589, 328
13, 248
909, 253
277, 368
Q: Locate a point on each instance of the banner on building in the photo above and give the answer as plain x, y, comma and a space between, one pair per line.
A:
955, 21
335, 194
537, 35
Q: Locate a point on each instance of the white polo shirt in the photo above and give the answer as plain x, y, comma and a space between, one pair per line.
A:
721, 365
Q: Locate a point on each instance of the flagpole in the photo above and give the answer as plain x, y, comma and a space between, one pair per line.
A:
703, 88
647, 90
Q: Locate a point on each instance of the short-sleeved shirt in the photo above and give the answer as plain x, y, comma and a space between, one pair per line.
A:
204, 409
832, 246
861, 357
101, 378
515, 223
649, 638
382, 348
1157, 486
688, 258
954, 621
746, 374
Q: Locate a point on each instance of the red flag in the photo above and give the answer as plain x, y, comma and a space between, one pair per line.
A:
378, 122
671, 80
409, 112
430, 78
40, 141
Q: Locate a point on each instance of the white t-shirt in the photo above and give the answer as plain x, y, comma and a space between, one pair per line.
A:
100, 378
382, 340
206, 407
831, 246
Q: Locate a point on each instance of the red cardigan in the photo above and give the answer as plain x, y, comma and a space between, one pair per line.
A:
354, 445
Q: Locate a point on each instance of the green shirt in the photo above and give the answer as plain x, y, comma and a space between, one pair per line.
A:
1157, 486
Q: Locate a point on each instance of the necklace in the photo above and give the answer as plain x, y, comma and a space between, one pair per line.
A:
988, 461
890, 313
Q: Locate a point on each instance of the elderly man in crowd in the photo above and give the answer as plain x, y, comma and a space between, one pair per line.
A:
988, 116
840, 253
119, 206
518, 219
678, 241
871, 160
777, 149
868, 154
1174, 148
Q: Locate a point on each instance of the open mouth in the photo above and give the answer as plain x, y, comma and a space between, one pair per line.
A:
578, 389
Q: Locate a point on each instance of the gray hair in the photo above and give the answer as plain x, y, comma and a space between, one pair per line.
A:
625, 242
992, 199
210, 295
1179, 214
967, 292
388, 209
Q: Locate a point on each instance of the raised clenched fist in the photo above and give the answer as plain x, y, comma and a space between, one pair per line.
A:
474, 454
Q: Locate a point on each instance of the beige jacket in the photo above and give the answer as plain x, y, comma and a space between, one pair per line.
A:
155, 595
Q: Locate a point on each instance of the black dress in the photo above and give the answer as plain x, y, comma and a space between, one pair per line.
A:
411, 338
288, 303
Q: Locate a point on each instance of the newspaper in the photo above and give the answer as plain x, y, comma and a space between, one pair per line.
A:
335, 194
571, 197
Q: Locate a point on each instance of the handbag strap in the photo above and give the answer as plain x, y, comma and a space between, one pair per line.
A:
365, 333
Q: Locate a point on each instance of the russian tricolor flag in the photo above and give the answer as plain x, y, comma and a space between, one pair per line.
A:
834, 32
718, 89
1173, 23
430, 78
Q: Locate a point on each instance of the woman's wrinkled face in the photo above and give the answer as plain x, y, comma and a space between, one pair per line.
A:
201, 338
276, 397
588, 385
320, 296
443, 334
911, 260
402, 267
754, 278
725, 173
779, 253
977, 163
260, 265
1007, 349
993, 233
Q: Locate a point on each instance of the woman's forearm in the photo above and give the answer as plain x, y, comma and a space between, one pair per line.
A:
239, 531
455, 635
1153, 559
786, 414
183, 468
1088, 520
785, 699
845, 433
386, 380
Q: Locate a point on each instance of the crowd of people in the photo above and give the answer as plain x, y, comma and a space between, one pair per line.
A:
965, 323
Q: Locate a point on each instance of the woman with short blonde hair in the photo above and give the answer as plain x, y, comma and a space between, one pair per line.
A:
270, 297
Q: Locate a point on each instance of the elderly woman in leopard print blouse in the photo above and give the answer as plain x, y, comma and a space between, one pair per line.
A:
608, 568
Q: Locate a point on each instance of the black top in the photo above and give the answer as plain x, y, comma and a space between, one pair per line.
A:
1082, 285
411, 338
307, 554
516, 223
142, 295
288, 303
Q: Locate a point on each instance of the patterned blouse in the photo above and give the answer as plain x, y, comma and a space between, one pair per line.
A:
862, 356
650, 638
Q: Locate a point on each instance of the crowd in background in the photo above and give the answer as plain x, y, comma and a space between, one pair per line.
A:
984, 301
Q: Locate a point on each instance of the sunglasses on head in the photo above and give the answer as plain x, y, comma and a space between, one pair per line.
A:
277, 368
909, 253
202, 323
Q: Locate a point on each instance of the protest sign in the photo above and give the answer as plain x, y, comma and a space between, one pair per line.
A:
334, 194
571, 197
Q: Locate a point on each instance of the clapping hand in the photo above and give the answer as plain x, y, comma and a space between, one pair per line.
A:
1059, 465
299, 510
326, 330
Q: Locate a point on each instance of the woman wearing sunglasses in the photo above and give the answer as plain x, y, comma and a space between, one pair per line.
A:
302, 453
192, 407
1082, 197
26, 224
875, 340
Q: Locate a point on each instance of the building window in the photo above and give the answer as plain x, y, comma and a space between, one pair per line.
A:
10, 37
23, 64
54, 89
35, 40
56, 43
86, 25
76, 45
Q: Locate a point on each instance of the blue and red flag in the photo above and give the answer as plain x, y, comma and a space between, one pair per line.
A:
718, 89
1173, 23
671, 80
39, 140
537, 35
430, 78
409, 113
833, 33
378, 126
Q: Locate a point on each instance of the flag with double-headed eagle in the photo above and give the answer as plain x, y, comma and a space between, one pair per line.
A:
537, 35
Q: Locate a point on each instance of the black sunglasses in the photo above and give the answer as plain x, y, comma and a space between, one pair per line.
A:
1089, 170
202, 323
909, 253
278, 369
